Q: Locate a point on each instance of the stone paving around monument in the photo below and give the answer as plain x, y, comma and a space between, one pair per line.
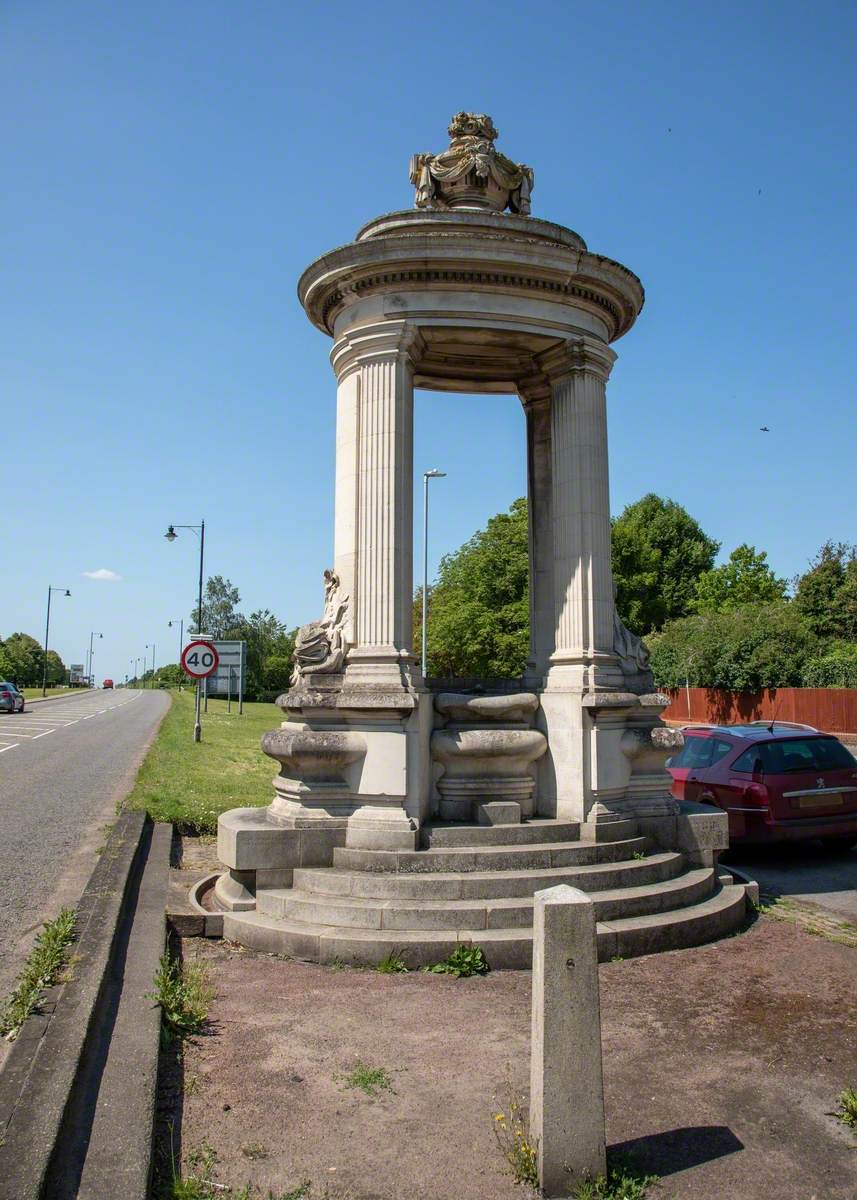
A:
722, 1065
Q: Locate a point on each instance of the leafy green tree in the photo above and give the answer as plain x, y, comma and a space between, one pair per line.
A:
478, 621
749, 648
745, 579
24, 659
171, 675
219, 612
266, 639
277, 673
835, 667
659, 553
57, 672
827, 593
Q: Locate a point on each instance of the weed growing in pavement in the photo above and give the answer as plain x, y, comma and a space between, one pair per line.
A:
392, 964
847, 1111
622, 1182
638, 855
254, 1150
512, 1131
371, 1080
464, 961
184, 993
43, 968
618, 958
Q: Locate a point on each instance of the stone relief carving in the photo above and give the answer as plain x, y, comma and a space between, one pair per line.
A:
470, 172
321, 646
631, 650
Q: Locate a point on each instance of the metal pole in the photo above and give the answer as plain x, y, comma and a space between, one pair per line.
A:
47, 631
425, 573
197, 726
241, 681
229, 690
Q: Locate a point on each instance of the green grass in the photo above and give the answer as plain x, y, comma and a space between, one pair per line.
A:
847, 1111
464, 961
192, 783
43, 968
371, 1080
35, 693
392, 964
184, 993
622, 1182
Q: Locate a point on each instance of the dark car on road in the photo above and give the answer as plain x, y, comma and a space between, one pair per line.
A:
11, 699
778, 782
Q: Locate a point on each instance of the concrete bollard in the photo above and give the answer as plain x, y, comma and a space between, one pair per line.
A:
566, 1087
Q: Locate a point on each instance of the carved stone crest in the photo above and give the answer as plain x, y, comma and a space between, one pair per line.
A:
470, 173
321, 646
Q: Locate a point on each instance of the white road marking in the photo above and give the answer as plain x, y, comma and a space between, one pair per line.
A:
12, 747
89, 718
45, 734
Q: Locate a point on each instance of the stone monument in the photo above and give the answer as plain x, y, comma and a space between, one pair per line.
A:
467, 292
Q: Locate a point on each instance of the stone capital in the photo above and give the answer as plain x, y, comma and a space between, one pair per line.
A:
387, 341
578, 355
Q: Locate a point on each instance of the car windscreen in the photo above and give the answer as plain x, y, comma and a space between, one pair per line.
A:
796, 754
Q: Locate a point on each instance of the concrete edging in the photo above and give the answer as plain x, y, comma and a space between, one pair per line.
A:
65, 1083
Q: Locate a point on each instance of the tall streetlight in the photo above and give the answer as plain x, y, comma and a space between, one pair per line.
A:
92, 635
47, 632
171, 536
151, 646
170, 624
427, 475
136, 669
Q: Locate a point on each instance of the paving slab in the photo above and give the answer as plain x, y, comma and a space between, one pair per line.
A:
721, 1066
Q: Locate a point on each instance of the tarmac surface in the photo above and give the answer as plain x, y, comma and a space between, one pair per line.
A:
804, 871
64, 766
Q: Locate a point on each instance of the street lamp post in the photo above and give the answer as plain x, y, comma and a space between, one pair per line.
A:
171, 536
170, 624
151, 646
427, 475
47, 633
92, 635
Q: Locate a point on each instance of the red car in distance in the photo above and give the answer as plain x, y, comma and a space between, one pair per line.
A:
108, 684
778, 782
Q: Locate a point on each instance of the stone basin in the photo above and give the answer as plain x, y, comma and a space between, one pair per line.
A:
316, 756
488, 753
470, 709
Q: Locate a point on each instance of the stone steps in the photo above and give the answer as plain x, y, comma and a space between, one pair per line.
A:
486, 885
439, 834
489, 858
294, 904
709, 918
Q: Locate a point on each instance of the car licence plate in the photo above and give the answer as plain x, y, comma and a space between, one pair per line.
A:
828, 801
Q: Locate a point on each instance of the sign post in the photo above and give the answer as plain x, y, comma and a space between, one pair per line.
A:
199, 660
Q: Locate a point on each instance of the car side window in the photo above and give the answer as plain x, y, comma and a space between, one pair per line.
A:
747, 761
696, 752
719, 750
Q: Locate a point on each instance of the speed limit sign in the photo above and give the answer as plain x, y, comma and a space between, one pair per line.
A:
199, 659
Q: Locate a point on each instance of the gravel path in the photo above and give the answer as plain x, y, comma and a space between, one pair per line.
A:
57, 791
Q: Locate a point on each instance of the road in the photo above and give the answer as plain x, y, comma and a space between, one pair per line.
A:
63, 767
805, 872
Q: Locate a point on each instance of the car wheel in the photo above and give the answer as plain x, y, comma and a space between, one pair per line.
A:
838, 845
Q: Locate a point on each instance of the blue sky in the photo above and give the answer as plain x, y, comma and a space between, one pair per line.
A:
170, 169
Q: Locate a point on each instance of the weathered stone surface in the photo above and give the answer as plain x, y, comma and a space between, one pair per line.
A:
566, 1086
514, 707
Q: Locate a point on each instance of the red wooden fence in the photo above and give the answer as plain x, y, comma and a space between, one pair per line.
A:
832, 709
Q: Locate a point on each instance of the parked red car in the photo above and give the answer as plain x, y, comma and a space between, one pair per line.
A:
778, 782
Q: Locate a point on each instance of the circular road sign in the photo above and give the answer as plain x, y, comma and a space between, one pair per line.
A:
199, 659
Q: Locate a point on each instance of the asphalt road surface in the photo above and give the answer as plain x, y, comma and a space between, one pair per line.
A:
64, 765
804, 871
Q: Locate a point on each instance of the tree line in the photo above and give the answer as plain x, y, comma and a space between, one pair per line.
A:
737, 625
22, 662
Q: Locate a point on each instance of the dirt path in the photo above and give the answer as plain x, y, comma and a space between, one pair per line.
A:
721, 1066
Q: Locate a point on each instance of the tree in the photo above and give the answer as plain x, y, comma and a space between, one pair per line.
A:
266, 639
219, 613
659, 553
835, 667
827, 593
24, 659
749, 648
745, 579
57, 672
478, 622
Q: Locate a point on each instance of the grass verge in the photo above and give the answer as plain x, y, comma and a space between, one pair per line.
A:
35, 693
43, 968
192, 783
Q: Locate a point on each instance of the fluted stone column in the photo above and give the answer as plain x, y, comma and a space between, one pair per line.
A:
582, 654
374, 499
536, 399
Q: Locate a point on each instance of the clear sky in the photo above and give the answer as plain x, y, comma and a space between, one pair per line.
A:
169, 170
